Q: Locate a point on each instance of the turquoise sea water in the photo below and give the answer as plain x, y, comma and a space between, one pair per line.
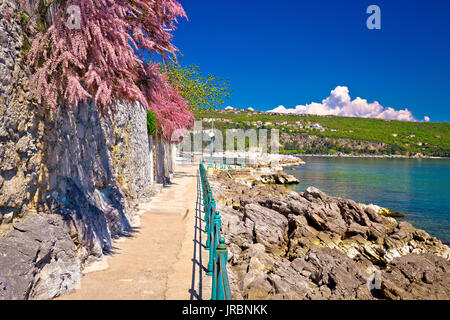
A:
420, 188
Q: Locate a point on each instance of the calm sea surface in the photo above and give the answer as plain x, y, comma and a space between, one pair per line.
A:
420, 188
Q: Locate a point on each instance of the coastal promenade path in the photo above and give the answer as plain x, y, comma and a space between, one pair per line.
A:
164, 258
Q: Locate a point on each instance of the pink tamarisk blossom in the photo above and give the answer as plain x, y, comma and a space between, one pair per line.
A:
103, 60
170, 108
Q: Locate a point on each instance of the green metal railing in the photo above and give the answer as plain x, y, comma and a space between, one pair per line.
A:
215, 243
223, 164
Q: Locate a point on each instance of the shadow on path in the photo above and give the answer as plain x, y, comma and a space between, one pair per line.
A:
197, 266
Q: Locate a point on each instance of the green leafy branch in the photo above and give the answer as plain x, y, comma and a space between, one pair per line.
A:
197, 89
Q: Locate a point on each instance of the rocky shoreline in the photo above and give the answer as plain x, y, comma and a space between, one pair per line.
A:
257, 159
252, 177
289, 245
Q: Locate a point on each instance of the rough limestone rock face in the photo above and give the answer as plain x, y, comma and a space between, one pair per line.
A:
75, 166
20, 128
131, 152
417, 275
269, 227
162, 175
10, 44
164, 160
313, 246
38, 259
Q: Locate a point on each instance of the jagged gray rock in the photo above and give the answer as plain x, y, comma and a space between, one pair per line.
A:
412, 276
269, 227
38, 260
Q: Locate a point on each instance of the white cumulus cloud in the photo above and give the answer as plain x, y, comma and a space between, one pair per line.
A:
339, 103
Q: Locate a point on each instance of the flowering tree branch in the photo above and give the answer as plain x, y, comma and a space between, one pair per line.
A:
103, 59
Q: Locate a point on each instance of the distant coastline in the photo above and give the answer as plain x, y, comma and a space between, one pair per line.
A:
365, 156
338, 135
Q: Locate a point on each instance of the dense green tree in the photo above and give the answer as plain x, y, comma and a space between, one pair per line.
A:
152, 122
197, 89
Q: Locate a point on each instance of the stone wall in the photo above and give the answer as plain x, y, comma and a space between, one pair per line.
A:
164, 160
9, 45
21, 129
131, 153
67, 181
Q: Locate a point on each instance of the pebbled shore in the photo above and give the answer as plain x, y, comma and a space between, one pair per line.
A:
288, 245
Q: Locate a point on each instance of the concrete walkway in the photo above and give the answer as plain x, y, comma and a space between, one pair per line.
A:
161, 260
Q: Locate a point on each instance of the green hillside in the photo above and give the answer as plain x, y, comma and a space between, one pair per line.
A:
402, 138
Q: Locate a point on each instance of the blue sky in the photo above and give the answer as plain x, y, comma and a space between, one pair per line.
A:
294, 52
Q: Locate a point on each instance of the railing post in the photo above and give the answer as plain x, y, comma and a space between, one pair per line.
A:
207, 231
217, 226
222, 255
211, 248
208, 218
214, 283
211, 240
216, 229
